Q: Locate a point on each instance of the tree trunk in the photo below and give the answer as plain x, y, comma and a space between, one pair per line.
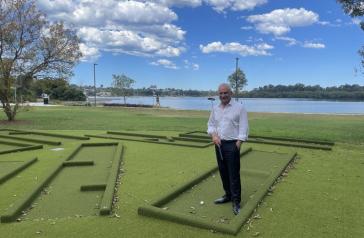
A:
10, 112
124, 100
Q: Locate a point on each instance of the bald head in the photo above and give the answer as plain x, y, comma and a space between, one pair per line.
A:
225, 86
225, 93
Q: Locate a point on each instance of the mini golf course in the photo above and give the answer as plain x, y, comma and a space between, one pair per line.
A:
83, 185
82, 182
9, 168
7, 146
177, 141
186, 205
280, 141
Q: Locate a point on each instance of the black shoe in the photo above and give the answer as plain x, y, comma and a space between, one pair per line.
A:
236, 208
223, 199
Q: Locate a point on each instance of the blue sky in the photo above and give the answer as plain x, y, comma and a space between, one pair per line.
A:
192, 44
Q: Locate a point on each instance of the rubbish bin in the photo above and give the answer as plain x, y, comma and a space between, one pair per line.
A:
45, 98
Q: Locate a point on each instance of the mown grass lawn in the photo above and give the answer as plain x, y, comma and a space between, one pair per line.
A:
347, 129
321, 196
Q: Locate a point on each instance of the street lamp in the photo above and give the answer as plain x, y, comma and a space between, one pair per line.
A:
95, 82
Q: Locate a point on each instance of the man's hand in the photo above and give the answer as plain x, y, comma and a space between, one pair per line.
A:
238, 144
216, 139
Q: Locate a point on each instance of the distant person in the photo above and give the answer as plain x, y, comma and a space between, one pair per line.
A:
157, 103
228, 127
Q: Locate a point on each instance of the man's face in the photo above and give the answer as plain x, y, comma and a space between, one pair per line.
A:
224, 95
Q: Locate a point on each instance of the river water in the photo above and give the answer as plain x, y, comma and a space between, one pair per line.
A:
251, 104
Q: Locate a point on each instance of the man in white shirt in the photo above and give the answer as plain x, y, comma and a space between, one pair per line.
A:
228, 127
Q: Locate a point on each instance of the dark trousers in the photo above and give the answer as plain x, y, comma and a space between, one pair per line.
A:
229, 167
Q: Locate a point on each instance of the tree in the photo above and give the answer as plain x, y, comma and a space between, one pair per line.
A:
237, 81
122, 83
31, 46
58, 89
355, 8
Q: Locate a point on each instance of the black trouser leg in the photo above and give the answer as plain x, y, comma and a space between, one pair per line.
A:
229, 169
233, 164
223, 169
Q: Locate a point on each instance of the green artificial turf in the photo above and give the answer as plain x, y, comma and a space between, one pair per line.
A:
313, 200
41, 137
45, 135
151, 139
321, 196
63, 197
280, 141
10, 146
30, 139
10, 168
5, 147
193, 206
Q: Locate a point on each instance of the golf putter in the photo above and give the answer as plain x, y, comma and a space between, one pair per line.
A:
218, 146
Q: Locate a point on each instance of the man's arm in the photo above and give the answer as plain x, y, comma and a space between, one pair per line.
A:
212, 129
243, 127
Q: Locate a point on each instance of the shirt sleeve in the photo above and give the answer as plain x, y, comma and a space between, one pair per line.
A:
211, 124
243, 125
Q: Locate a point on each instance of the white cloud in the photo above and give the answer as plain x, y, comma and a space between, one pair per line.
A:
90, 54
217, 5
180, 3
94, 13
129, 42
168, 32
239, 5
324, 23
55, 5
137, 27
253, 39
235, 5
134, 27
237, 48
306, 44
165, 63
313, 45
290, 41
189, 65
336, 23
138, 12
195, 66
281, 21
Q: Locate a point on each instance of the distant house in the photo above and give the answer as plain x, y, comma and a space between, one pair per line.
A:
103, 94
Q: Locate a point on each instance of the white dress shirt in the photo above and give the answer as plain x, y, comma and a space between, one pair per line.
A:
229, 122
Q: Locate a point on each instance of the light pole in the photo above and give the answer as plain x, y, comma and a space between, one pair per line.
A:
15, 99
236, 79
95, 82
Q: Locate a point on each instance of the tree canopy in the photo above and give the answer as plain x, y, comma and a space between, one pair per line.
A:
237, 81
31, 46
122, 84
355, 8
